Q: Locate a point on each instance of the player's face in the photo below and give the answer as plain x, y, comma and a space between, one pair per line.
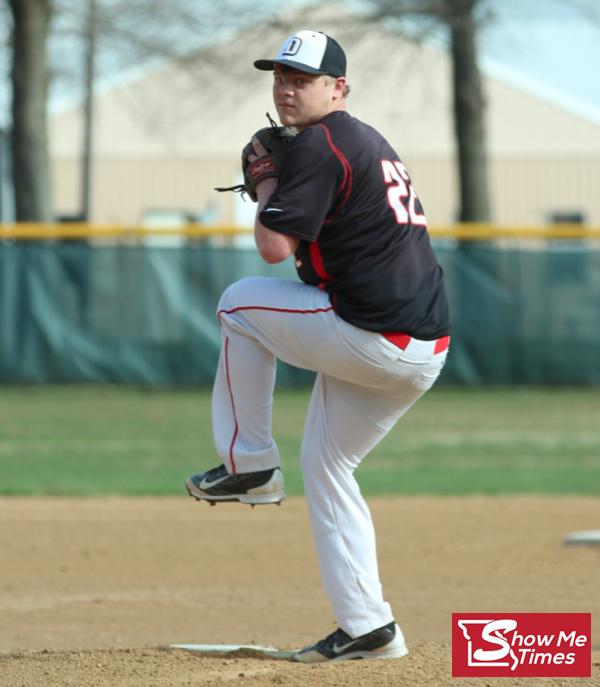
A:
302, 99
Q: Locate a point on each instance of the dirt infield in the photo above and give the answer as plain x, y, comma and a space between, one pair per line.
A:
92, 592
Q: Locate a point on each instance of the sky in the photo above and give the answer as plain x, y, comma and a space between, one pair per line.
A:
549, 47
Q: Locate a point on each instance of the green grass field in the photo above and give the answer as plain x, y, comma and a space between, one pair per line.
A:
107, 440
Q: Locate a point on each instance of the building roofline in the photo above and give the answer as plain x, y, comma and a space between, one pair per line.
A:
490, 67
552, 96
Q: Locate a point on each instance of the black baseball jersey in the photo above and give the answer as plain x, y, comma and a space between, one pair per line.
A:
346, 194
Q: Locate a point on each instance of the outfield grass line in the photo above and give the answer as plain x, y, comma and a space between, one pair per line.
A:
118, 440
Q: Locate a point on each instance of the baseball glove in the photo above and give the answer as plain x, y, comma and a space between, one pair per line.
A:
275, 140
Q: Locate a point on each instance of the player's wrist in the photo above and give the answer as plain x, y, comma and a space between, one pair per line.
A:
264, 189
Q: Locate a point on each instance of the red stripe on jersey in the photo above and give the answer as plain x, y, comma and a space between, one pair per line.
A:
347, 167
236, 428
316, 259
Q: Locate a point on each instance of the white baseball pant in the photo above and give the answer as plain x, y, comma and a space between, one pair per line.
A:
364, 384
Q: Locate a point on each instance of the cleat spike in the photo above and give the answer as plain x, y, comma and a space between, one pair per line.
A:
212, 503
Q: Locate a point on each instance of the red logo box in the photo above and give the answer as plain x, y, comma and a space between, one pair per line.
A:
521, 645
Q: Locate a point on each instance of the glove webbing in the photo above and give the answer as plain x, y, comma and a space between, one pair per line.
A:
240, 188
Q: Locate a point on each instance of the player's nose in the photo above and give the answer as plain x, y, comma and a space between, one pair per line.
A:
283, 88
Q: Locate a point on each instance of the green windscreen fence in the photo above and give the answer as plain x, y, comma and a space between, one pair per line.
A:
523, 312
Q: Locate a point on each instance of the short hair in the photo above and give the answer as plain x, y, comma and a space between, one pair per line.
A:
347, 87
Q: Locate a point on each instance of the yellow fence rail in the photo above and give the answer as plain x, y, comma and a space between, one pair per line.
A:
463, 232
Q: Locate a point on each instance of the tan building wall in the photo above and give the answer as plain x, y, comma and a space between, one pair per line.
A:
524, 191
125, 189
527, 191
166, 138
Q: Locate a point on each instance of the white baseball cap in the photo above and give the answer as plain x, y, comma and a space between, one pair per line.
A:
313, 52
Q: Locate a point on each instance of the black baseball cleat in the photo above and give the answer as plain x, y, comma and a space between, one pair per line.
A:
384, 642
255, 488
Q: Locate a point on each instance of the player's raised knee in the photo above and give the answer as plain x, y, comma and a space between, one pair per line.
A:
235, 295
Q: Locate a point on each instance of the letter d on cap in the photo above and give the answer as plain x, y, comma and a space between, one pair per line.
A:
292, 47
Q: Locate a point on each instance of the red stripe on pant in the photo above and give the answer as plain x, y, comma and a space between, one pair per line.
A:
269, 309
402, 340
236, 428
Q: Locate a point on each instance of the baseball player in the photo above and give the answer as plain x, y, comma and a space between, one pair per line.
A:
369, 316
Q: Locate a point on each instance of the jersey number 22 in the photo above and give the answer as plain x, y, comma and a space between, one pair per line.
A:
400, 194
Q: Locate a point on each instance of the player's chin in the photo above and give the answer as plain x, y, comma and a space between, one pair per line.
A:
287, 116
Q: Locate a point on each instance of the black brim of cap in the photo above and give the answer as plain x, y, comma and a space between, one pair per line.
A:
269, 65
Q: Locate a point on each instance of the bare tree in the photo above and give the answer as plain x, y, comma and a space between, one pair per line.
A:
459, 18
30, 164
469, 113
88, 108
119, 33
114, 35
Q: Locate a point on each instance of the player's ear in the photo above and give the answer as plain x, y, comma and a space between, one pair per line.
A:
339, 87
